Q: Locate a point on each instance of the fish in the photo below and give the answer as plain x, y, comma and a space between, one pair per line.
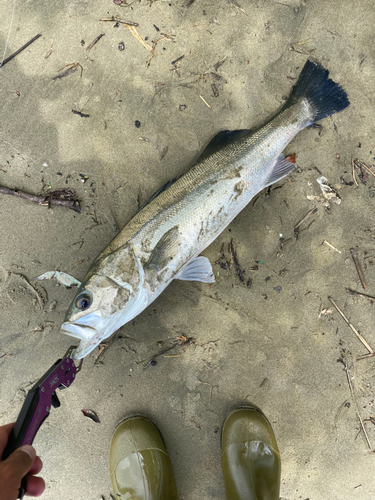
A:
164, 239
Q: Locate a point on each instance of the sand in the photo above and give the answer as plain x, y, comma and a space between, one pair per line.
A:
266, 343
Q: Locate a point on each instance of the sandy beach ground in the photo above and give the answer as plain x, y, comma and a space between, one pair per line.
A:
274, 340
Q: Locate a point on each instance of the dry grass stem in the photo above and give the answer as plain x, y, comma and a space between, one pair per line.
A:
358, 267
354, 292
134, 32
353, 173
365, 356
364, 342
356, 405
331, 246
203, 99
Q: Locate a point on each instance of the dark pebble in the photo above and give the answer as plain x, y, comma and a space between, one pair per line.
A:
277, 289
268, 278
59, 173
153, 363
182, 107
121, 46
137, 123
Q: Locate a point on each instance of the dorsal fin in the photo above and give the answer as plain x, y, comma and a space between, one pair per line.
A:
222, 139
160, 190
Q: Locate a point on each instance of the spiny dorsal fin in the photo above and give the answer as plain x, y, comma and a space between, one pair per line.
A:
160, 190
222, 139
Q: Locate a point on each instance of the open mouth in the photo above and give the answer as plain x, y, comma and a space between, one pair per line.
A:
83, 332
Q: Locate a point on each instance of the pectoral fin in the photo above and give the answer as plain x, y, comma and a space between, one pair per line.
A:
63, 278
282, 168
165, 250
198, 269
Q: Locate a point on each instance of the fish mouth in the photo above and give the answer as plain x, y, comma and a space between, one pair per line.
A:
82, 332
89, 338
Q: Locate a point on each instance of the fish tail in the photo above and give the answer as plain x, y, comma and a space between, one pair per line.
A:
324, 96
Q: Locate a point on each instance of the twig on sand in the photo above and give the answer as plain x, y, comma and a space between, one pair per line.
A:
203, 99
134, 32
49, 51
72, 67
19, 50
353, 174
358, 267
365, 356
331, 246
296, 227
117, 20
233, 254
361, 165
45, 200
354, 292
364, 342
95, 41
356, 405
181, 341
152, 53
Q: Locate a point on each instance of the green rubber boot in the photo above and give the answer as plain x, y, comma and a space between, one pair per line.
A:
250, 458
139, 464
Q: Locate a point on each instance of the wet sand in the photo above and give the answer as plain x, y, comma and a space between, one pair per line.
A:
266, 343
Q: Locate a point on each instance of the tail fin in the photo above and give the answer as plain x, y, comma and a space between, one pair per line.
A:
324, 95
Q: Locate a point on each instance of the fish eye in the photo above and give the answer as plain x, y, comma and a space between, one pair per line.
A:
83, 301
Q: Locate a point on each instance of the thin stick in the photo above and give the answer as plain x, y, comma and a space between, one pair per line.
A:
313, 211
331, 246
203, 99
49, 51
42, 200
19, 50
95, 41
354, 292
152, 53
117, 20
364, 342
353, 173
134, 32
358, 267
360, 164
365, 356
356, 405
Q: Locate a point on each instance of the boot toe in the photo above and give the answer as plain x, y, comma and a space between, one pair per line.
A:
250, 456
140, 467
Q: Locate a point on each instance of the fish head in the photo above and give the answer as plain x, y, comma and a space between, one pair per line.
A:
111, 294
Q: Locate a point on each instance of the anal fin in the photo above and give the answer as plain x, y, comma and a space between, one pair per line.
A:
197, 269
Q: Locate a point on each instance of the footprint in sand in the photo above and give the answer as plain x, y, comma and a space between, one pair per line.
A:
19, 290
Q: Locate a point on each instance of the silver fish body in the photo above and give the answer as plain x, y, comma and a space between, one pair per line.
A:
162, 241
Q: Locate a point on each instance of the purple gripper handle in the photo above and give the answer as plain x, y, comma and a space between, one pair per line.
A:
39, 400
